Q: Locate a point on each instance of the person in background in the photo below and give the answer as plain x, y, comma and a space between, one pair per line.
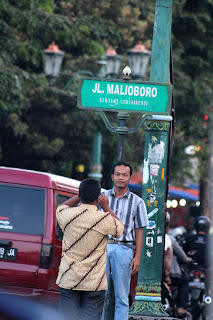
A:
200, 248
168, 255
179, 233
176, 276
131, 210
179, 278
82, 271
197, 245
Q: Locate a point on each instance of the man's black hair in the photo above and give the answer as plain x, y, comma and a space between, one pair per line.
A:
89, 190
122, 163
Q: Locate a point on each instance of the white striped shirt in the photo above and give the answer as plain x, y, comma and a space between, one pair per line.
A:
131, 210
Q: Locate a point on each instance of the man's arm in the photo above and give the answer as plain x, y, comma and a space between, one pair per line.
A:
141, 212
178, 251
72, 202
104, 203
135, 265
168, 255
60, 210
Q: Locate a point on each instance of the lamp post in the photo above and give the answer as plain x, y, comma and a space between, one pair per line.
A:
52, 61
109, 66
113, 62
138, 59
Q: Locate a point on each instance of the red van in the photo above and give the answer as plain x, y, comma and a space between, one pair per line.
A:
30, 239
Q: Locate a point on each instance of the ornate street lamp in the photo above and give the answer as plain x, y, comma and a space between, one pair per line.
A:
52, 60
113, 62
101, 62
109, 66
138, 58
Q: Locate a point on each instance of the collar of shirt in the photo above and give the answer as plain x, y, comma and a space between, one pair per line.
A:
88, 206
126, 194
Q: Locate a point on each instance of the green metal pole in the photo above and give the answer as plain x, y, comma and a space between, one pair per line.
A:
95, 166
148, 290
121, 131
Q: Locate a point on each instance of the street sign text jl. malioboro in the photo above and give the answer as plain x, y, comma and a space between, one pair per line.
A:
125, 95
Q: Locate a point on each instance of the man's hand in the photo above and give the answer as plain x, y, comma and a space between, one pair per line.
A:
135, 265
72, 202
189, 259
104, 202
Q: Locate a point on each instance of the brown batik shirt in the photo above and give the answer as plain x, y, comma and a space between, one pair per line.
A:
83, 260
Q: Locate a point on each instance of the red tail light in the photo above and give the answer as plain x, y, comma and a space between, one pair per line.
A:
46, 256
196, 273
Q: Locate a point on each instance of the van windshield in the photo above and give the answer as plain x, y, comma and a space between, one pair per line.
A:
22, 209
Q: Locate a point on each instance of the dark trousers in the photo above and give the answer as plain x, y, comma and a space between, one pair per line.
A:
183, 289
81, 305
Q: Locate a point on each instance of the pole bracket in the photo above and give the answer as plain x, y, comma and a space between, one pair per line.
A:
124, 116
106, 121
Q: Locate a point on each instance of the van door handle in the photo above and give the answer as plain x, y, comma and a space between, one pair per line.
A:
5, 243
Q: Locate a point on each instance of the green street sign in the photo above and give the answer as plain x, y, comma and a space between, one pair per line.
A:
125, 95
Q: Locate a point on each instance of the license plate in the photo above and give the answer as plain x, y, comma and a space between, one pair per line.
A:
8, 253
199, 285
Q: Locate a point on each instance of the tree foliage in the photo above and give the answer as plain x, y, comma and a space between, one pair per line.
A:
45, 131
192, 54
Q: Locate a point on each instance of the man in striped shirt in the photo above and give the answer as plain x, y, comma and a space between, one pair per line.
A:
131, 210
82, 272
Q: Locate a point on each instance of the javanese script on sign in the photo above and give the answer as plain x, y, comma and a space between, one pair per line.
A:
115, 95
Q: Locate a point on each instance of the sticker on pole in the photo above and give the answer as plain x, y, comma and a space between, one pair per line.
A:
123, 95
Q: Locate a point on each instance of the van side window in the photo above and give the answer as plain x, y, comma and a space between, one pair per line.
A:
60, 198
22, 209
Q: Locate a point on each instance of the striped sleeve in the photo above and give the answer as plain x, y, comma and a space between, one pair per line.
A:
141, 219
